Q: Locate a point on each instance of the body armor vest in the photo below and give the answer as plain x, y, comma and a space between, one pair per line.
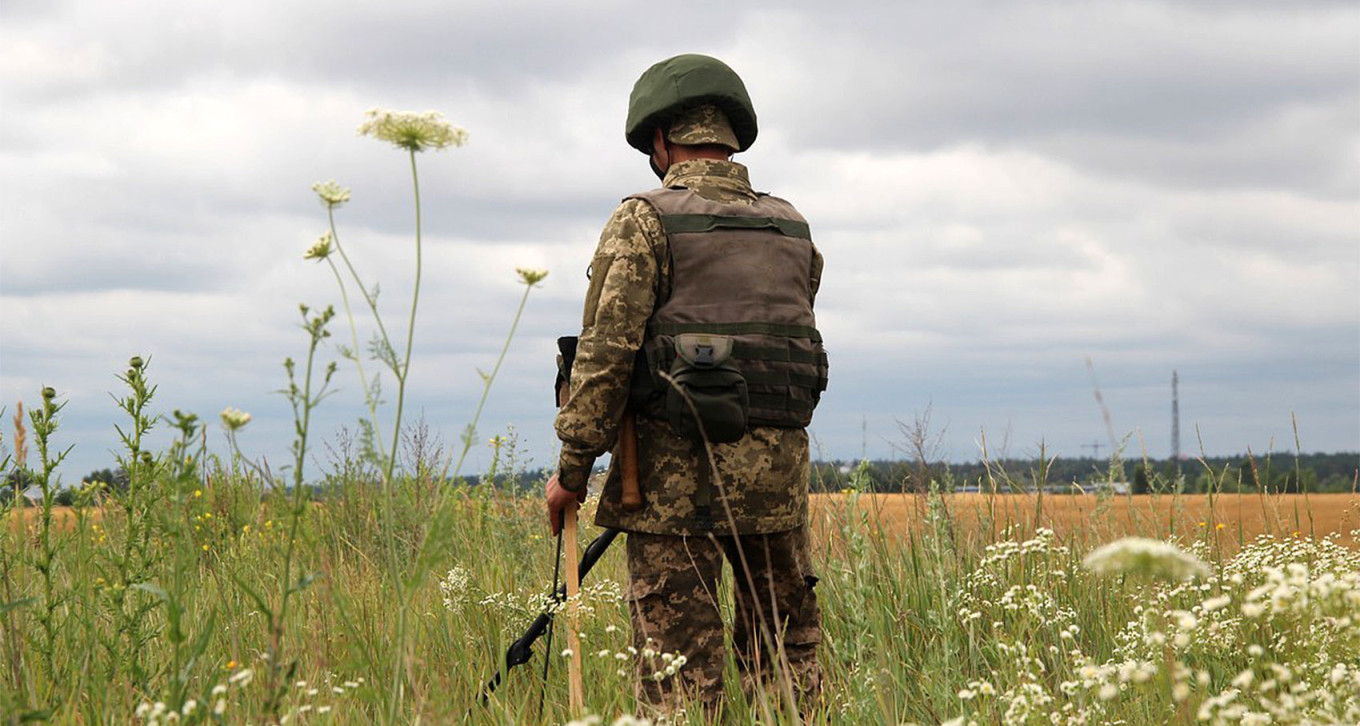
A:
740, 272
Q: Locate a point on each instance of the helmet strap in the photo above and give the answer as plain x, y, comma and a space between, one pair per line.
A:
651, 158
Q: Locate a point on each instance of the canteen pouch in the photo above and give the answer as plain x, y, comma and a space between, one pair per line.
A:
705, 383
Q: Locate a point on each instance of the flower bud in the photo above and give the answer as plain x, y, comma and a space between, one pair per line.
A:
530, 277
136, 362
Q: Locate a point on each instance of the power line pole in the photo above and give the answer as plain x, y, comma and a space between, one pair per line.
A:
1175, 417
1094, 447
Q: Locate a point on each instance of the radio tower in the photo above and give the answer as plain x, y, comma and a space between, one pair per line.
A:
1175, 418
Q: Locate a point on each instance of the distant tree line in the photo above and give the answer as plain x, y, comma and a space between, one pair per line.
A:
1272, 473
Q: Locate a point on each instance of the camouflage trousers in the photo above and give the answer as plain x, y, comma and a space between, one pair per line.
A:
674, 602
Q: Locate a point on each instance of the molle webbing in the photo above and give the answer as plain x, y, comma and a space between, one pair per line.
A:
745, 328
681, 223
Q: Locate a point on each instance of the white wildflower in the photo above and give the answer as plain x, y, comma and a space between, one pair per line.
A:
454, 588
234, 419
331, 193
242, 678
530, 277
321, 249
413, 131
1145, 557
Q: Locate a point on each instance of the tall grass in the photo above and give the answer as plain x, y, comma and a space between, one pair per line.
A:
925, 625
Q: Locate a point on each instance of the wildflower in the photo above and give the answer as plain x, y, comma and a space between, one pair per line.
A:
321, 250
331, 193
412, 131
189, 707
1216, 603
531, 277
242, 678
1139, 556
454, 588
234, 419
220, 707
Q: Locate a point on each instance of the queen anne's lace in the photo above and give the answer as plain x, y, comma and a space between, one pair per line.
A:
413, 131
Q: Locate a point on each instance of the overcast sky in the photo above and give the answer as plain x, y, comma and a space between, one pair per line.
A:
1003, 192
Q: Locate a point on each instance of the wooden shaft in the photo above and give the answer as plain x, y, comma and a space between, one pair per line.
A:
573, 587
628, 463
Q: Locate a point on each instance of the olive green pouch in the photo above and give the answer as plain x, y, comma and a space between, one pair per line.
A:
705, 384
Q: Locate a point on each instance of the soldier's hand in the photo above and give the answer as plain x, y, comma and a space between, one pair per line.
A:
558, 501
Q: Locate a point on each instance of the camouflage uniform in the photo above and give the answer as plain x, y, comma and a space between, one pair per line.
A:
760, 487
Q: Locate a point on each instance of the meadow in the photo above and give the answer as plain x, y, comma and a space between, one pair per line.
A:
225, 602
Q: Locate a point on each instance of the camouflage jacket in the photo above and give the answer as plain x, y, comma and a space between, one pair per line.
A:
763, 476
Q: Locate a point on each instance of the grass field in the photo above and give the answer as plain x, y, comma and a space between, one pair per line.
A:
936, 609
1230, 520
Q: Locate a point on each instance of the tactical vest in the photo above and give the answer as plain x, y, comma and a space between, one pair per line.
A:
740, 271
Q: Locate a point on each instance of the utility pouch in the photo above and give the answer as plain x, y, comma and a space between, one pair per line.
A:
705, 383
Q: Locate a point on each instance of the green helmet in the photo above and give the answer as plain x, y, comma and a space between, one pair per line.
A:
677, 84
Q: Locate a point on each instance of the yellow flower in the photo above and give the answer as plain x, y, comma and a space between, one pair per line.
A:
205, 548
413, 131
198, 493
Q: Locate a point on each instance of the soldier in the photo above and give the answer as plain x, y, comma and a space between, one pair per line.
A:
698, 322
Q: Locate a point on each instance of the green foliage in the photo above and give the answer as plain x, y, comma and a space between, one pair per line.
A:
1274, 473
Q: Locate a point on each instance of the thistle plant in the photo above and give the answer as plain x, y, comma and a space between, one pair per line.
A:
135, 562
304, 396
44, 422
